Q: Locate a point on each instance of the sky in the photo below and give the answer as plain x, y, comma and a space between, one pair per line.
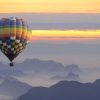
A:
50, 6
67, 31
66, 35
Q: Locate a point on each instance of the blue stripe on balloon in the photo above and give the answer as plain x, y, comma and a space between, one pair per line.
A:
18, 23
0, 23
7, 23
12, 22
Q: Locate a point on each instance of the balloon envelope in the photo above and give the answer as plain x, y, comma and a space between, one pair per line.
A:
14, 36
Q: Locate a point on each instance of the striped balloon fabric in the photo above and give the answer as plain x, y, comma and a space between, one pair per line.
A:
14, 36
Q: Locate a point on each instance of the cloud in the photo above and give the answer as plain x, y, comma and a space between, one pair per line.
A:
38, 21
65, 35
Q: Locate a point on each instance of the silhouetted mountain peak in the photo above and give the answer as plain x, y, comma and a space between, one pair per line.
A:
67, 84
65, 90
97, 82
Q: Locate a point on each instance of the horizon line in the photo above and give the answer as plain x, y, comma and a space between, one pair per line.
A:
49, 12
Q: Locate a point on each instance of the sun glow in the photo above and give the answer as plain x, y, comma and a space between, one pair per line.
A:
65, 34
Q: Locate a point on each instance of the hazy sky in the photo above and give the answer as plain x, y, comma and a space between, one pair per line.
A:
59, 21
63, 30
62, 25
61, 37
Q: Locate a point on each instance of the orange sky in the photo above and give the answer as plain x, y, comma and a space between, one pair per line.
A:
50, 6
54, 6
64, 35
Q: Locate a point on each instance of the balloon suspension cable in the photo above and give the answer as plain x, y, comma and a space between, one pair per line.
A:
11, 64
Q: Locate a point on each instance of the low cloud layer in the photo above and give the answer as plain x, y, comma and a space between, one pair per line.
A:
59, 21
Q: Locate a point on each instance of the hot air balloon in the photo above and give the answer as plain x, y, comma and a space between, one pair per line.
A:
14, 36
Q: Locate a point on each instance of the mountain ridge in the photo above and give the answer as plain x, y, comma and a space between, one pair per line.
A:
71, 90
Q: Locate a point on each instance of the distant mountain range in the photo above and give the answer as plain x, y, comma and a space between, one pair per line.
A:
41, 73
33, 70
65, 90
11, 88
41, 66
36, 67
71, 76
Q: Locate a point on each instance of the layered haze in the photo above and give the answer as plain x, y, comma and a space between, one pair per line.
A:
65, 45
68, 38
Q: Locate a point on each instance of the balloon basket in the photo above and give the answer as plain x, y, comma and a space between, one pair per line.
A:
11, 64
